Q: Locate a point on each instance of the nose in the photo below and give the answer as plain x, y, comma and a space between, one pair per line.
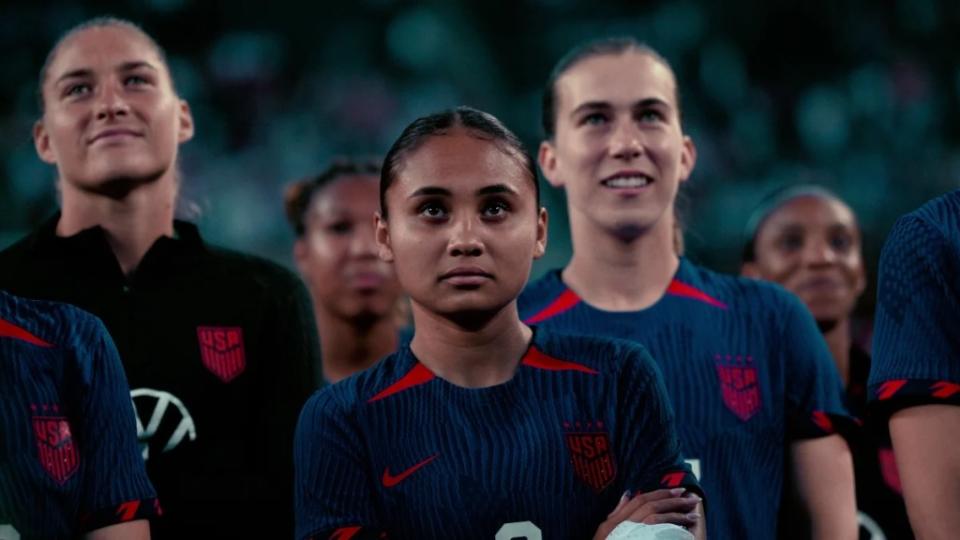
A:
819, 252
363, 242
464, 240
111, 102
626, 142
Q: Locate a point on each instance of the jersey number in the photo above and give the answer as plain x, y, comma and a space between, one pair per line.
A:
519, 529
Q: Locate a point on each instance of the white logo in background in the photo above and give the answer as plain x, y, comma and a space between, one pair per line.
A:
871, 527
7, 532
154, 406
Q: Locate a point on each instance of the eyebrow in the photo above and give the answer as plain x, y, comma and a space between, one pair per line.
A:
428, 191
603, 105
87, 72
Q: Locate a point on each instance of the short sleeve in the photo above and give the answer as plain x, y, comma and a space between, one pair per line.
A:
813, 390
917, 332
333, 489
115, 487
646, 428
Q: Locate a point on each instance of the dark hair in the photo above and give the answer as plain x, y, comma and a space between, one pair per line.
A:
298, 195
96, 22
772, 202
597, 47
477, 123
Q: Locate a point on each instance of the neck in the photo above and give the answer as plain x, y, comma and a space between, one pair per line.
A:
347, 347
837, 336
478, 356
618, 273
132, 222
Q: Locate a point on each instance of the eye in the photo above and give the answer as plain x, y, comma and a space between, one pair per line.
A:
594, 119
495, 210
432, 210
650, 115
841, 242
791, 242
77, 89
135, 80
340, 227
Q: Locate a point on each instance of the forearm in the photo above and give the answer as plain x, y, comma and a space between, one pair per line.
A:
131, 530
823, 470
928, 458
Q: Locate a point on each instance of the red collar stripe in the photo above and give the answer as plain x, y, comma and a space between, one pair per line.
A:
415, 377
678, 288
11, 330
565, 301
537, 359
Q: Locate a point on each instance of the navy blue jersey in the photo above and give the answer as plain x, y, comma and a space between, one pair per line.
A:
746, 368
397, 450
916, 343
69, 459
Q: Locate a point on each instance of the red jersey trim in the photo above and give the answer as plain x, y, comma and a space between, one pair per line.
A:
11, 330
565, 301
418, 375
536, 359
679, 288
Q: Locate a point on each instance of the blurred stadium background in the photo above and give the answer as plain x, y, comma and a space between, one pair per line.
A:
861, 96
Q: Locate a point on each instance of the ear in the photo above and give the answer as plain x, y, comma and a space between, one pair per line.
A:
750, 270
384, 250
185, 129
300, 255
41, 141
688, 158
541, 247
547, 159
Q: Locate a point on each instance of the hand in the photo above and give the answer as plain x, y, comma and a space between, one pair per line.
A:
660, 506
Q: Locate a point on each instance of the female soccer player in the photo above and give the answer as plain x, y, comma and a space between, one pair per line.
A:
749, 375
483, 427
915, 376
356, 297
808, 240
69, 462
217, 346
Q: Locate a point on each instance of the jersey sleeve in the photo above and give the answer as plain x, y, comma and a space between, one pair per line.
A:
333, 487
813, 390
650, 444
291, 335
917, 332
114, 487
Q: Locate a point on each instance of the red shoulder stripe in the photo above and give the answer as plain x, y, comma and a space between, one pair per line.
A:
678, 288
536, 359
562, 303
11, 330
415, 377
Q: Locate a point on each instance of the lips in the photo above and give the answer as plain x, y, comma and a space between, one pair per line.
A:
628, 179
114, 134
466, 276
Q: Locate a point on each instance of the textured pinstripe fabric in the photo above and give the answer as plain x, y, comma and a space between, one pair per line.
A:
69, 459
916, 343
400, 451
746, 369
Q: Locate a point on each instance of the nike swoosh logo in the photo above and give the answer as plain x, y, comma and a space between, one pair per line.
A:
390, 480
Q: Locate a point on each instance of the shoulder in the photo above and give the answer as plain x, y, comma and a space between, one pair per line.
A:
541, 291
925, 231
60, 324
352, 394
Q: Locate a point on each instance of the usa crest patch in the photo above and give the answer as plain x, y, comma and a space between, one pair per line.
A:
222, 352
590, 454
55, 446
738, 385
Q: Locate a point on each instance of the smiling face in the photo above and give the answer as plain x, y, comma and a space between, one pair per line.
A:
618, 148
811, 246
464, 227
337, 254
111, 115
